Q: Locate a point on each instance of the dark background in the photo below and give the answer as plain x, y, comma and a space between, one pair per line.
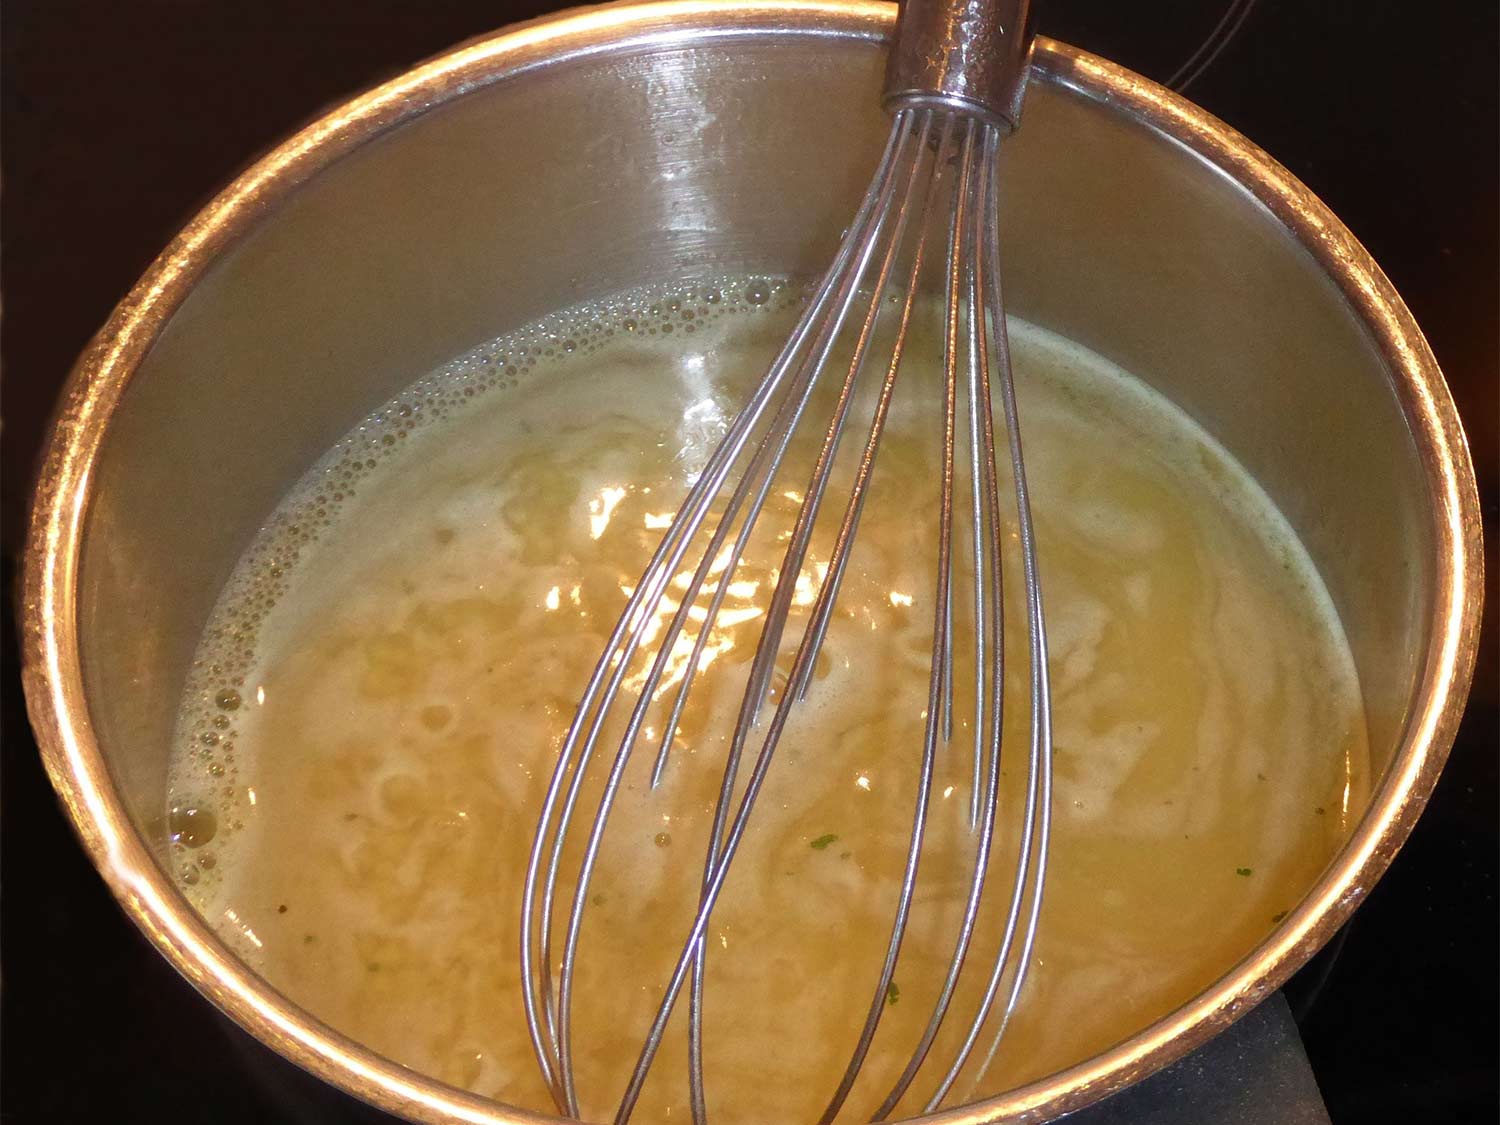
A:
120, 119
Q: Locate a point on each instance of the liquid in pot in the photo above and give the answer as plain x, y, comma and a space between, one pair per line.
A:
380, 695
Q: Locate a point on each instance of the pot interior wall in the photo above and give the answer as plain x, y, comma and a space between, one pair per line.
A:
584, 178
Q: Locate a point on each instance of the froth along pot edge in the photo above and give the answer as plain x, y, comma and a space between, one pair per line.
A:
51, 649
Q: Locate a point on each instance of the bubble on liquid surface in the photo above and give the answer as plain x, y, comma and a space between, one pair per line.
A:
192, 825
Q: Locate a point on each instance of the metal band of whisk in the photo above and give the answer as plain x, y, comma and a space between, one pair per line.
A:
951, 109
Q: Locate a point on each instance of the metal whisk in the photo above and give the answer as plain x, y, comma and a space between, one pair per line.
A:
954, 85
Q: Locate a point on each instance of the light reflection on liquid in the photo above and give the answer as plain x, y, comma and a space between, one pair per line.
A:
602, 507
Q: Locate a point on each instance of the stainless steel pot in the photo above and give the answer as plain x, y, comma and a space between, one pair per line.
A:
563, 159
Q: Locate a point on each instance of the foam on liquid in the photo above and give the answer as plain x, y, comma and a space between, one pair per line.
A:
380, 695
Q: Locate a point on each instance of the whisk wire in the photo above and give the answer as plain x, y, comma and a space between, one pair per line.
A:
801, 667
939, 664
761, 668
1036, 817
792, 566
931, 149
965, 288
542, 1017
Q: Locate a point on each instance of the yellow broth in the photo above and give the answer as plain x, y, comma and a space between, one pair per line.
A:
381, 694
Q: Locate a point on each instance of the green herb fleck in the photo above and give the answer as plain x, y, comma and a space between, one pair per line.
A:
1319, 810
823, 841
597, 900
1242, 871
309, 939
1275, 918
845, 855
373, 966
892, 993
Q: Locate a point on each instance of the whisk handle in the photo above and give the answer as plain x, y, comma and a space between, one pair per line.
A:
969, 55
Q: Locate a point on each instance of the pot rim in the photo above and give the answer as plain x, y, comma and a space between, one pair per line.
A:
51, 660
